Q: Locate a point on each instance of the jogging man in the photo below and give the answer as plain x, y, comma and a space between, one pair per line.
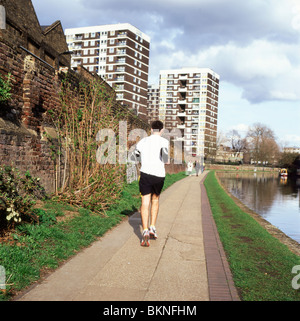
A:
153, 152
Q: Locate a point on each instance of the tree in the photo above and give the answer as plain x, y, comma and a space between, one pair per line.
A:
237, 143
262, 144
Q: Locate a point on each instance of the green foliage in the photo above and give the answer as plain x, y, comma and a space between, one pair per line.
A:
5, 89
18, 193
288, 160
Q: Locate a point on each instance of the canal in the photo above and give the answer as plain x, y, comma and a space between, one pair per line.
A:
277, 200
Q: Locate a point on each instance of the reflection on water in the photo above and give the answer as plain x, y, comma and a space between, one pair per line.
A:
276, 199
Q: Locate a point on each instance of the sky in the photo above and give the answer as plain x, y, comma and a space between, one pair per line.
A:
254, 45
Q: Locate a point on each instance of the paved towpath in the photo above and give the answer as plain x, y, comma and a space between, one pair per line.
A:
185, 263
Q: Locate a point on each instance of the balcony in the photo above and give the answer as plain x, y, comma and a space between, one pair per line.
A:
182, 102
182, 89
121, 61
121, 52
122, 34
183, 77
120, 78
121, 43
120, 69
181, 114
181, 126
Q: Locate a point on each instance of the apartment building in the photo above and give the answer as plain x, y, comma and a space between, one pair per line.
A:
293, 150
153, 103
119, 53
189, 102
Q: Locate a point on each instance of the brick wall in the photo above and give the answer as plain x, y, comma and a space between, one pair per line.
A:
35, 90
32, 55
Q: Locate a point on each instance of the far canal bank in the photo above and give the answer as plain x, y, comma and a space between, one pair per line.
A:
261, 257
276, 199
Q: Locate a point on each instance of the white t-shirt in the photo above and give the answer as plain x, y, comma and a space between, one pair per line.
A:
150, 151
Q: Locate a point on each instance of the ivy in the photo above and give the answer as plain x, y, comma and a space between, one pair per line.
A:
5, 89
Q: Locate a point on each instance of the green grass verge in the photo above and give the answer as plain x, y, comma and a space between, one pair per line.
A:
261, 265
37, 248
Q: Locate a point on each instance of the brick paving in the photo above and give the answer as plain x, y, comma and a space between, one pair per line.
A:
220, 282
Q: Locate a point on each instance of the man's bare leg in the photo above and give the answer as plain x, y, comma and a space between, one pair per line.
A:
154, 209
145, 210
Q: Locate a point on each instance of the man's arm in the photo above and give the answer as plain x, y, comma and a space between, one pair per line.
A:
164, 154
135, 156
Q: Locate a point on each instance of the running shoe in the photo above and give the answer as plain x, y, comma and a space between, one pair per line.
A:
145, 240
152, 232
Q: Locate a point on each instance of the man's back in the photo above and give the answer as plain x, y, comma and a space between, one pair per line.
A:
150, 149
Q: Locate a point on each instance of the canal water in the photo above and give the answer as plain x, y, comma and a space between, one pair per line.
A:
276, 199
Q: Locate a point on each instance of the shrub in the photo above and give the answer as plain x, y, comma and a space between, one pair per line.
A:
18, 193
5, 88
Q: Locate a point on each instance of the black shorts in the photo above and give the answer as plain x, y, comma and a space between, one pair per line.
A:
150, 184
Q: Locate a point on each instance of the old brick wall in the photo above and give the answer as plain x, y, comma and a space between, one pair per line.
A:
25, 151
32, 55
23, 122
34, 90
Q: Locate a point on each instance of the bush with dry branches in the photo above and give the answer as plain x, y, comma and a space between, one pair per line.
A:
85, 110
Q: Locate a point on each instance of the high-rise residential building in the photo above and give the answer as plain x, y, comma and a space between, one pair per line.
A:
119, 53
189, 102
153, 103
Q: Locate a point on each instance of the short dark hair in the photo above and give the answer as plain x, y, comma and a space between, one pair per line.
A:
157, 124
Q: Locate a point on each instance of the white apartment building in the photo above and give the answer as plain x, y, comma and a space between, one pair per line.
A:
293, 150
153, 103
119, 53
189, 102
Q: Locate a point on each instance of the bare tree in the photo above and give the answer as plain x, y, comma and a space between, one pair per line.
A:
237, 143
262, 144
221, 139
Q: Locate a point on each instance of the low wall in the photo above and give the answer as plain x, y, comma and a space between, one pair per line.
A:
175, 168
241, 168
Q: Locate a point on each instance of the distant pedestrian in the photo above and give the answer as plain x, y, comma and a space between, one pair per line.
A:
197, 167
190, 168
153, 152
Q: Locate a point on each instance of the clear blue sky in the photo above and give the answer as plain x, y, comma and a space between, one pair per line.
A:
254, 45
